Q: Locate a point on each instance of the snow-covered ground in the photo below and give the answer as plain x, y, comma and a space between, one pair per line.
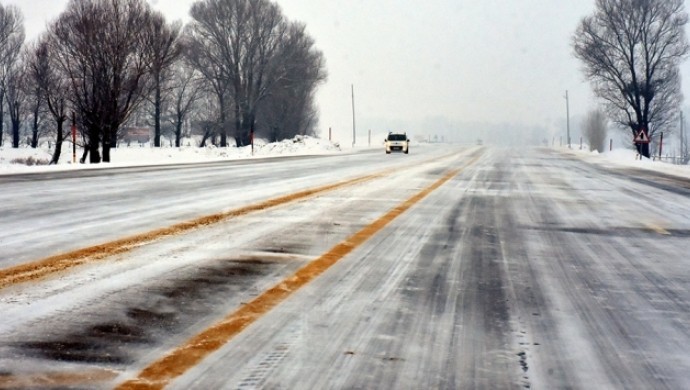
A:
25, 159
628, 158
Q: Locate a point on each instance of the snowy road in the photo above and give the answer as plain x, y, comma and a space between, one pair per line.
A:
480, 268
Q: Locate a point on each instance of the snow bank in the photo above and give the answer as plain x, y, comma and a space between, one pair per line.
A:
27, 159
629, 158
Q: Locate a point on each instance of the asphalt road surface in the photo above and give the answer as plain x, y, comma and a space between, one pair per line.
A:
465, 268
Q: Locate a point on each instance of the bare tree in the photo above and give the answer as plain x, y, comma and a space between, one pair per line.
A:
232, 44
210, 41
248, 51
205, 118
36, 108
289, 107
100, 45
164, 42
260, 67
186, 90
15, 84
11, 41
35, 98
53, 87
631, 51
595, 127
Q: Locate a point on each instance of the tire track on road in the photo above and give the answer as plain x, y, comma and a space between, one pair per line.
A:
160, 373
54, 264
45, 267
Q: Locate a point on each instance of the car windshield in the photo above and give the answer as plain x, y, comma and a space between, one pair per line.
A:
397, 137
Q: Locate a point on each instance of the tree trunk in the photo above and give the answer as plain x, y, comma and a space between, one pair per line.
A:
243, 135
85, 154
2, 117
644, 150
34, 131
106, 152
178, 132
207, 133
15, 133
58, 143
94, 143
107, 138
238, 126
157, 119
16, 123
223, 120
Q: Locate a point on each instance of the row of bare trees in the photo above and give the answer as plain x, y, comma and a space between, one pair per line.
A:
238, 67
11, 41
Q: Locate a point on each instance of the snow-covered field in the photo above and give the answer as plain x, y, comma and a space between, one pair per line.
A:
628, 158
27, 159
15, 160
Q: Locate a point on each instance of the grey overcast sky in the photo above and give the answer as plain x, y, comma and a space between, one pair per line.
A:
421, 65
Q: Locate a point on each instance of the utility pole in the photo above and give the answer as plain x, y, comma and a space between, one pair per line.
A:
682, 147
354, 134
567, 117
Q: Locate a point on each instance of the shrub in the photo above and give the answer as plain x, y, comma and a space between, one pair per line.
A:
29, 161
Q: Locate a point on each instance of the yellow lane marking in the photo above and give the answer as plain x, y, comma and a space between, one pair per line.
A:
44, 267
50, 265
161, 372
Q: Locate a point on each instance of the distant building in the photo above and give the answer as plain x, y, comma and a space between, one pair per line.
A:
140, 135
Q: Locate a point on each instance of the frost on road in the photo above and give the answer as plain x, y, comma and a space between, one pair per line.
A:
522, 270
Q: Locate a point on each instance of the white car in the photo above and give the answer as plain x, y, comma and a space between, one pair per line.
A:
397, 142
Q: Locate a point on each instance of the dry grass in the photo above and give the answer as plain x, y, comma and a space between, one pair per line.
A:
30, 161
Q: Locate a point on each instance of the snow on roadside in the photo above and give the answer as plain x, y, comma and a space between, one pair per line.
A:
27, 159
300, 145
629, 158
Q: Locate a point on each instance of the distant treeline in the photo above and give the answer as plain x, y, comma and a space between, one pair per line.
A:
238, 68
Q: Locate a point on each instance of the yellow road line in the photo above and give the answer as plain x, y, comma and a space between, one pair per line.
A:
45, 267
50, 265
161, 372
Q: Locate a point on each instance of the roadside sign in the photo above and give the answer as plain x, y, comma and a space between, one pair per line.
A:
642, 137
